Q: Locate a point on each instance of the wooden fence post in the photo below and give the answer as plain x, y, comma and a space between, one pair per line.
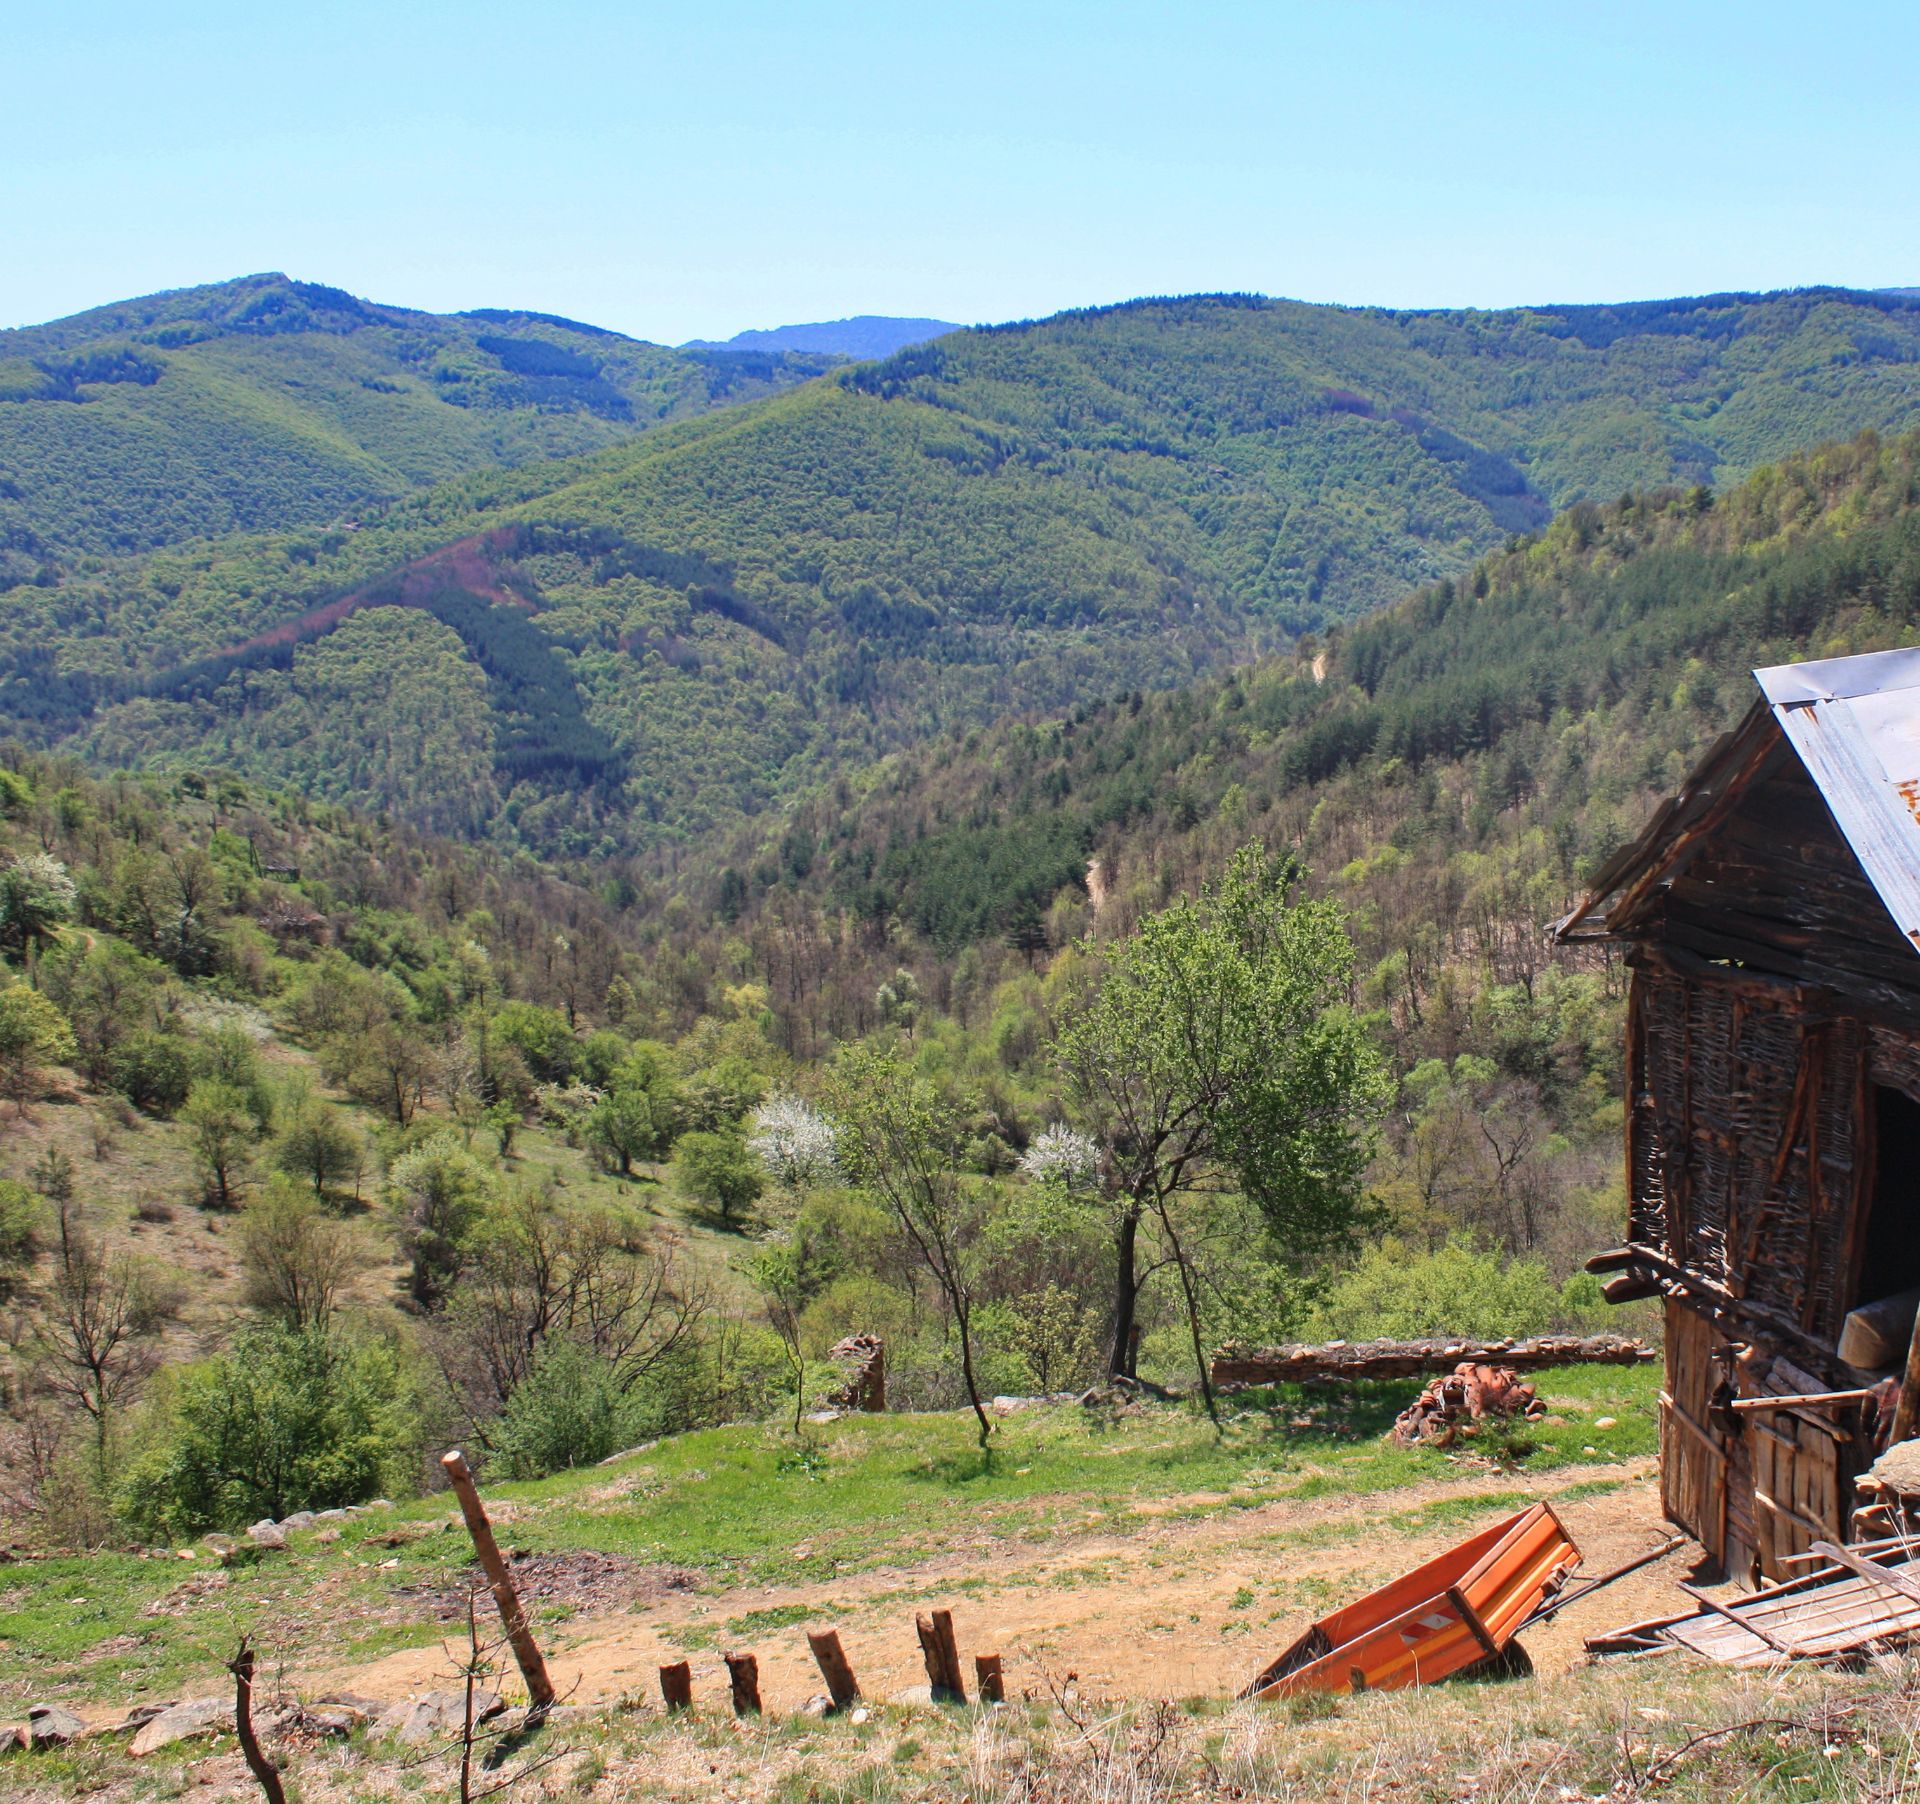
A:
842, 1687
676, 1685
743, 1673
988, 1679
500, 1582
942, 1656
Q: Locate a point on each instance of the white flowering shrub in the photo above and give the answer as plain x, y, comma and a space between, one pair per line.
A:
794, 1142
1062, 1155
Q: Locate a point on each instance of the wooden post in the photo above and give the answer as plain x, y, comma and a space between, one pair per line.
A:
1909, 1404
988, 1679
942, 1657
743, 1673
842, 1687
500, 1582
676, 1685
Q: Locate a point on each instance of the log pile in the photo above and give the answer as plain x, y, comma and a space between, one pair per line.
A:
1411, 1358
1468, 1395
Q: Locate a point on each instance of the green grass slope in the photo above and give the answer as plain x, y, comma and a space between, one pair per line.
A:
1004, 521
265, 402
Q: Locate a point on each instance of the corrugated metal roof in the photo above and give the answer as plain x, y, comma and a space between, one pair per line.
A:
1855, 723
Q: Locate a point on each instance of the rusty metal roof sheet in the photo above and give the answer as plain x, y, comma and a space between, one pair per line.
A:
1856, 724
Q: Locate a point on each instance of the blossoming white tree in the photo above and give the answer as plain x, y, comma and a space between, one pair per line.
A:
794, 1142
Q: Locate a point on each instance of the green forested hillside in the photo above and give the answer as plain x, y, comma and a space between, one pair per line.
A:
411, 1113
1451, 766
643, 644
265, 402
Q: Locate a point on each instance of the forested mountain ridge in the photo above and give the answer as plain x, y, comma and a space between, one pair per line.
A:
638, 646
265, 402
864, 335
1450, 767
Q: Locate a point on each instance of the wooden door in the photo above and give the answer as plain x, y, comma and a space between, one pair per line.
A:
1694, 1458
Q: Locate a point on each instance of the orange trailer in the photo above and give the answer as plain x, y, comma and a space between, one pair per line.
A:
1459, 1609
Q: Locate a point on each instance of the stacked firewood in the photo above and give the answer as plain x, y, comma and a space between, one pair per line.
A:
1457, 1403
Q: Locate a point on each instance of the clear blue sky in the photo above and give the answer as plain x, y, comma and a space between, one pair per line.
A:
690, 170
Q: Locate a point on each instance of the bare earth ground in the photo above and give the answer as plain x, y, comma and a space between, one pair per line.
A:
1182, 1606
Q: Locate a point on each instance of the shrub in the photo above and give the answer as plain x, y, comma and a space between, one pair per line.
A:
296, 1258
719, 1171
151, 1070
1396, 1293
285, 1420
20, 1221
33, 1034
565, 1413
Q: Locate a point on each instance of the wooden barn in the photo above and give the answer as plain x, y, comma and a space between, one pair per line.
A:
1771, 912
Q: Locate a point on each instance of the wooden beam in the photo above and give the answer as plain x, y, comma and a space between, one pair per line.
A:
1753, 1628
1905, 1409
1806, 1400
1882, 1576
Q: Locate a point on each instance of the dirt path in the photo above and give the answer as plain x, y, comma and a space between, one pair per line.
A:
1184, 1604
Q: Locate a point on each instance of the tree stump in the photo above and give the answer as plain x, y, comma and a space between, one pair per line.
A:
842, 1687
988, 1679
743, 1674
676, 1685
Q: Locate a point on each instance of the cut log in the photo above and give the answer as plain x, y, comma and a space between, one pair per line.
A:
1413, 1359
842, 1687
676, 1685
988, 1679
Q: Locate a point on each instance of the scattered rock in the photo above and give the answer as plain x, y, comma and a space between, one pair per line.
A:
144, 1713
299, 1519
331, 1516
435, 1714
914, 1694
269, 1535
379, 1503
198, 1716
50, 1726
820, 1417
1607, 1422
817, 1706
220, 1544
